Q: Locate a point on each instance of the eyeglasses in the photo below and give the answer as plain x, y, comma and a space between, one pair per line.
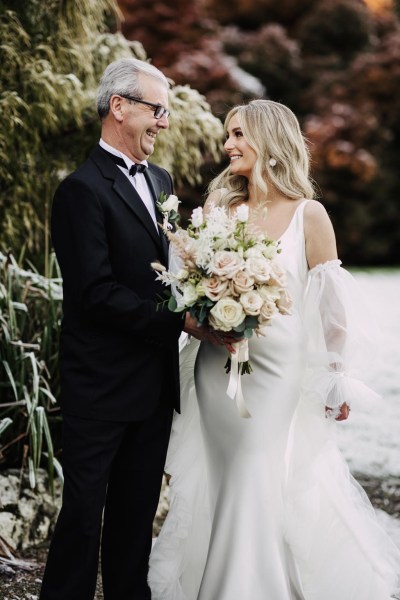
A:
159, 110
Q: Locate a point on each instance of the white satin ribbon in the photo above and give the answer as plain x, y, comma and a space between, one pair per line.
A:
234, 389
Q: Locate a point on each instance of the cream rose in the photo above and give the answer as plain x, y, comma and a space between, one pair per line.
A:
189, 294
214, 287
225, 263
259, 268
269, 293
268, 310
242, 282
251, 303
284, 303
226, 314
278, 275
171, 204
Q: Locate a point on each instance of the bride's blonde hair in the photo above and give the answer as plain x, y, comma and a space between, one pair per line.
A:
273, 131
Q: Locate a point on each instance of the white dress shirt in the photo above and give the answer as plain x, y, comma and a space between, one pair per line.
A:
138, 181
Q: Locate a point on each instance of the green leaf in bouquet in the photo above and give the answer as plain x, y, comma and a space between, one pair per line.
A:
203, 312
172, 303
251, 322
241, 327
196, 312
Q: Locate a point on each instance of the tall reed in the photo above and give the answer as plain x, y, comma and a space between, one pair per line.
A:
30, 314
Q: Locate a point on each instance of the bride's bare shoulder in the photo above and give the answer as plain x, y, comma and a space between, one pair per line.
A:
319, 234
315, 215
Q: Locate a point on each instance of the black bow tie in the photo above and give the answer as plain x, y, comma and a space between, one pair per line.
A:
135, 168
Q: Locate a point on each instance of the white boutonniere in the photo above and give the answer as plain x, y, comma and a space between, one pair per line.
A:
168, 207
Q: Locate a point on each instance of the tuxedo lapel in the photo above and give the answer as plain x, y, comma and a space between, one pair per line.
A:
130, 196
156, 187
125, 190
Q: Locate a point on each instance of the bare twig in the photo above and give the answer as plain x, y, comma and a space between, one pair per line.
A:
7, 558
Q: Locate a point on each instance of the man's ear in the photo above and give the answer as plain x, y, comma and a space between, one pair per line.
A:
117, 107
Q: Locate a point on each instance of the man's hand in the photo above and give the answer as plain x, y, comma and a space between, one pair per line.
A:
204, 334
194, 329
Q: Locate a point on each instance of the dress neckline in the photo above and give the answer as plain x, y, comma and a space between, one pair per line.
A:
291, 220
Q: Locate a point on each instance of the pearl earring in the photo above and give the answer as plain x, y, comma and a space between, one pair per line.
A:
272, 162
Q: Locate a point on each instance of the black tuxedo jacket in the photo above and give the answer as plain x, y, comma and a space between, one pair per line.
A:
118, 350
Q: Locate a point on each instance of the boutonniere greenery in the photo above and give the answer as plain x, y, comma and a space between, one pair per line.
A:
168, 207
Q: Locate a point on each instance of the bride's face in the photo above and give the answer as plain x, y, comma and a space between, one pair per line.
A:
242, 156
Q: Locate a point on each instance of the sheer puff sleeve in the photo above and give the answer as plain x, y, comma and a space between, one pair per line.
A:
341, 338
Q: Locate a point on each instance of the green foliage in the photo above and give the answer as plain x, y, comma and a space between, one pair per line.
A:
53, 54
30, 313
47, 91
193, 132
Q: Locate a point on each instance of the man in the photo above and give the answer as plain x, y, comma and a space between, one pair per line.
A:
118, 349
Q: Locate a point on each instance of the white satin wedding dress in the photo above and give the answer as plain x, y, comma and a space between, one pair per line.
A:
265, 508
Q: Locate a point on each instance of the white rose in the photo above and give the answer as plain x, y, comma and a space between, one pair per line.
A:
171, 204
278, 275
226, 314
225, 263
242, 282
182, 274
197, 217
269, 252
189, 294
251, 303
268, 310
242, 213
284, 303
259, 268
252, 252
214, 287
269, 293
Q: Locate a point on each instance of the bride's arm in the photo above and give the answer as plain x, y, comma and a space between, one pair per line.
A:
338, 323
319, 235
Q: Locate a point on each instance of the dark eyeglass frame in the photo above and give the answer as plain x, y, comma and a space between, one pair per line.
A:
159, 109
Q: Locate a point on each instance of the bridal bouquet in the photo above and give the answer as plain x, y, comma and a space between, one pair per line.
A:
227, 276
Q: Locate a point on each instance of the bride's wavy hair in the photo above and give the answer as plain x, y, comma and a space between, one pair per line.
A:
273, 131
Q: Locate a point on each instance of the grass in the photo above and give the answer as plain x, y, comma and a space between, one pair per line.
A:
30, 314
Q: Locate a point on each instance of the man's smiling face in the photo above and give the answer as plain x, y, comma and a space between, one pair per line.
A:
140, 126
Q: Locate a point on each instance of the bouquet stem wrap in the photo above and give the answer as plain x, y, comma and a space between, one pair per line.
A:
234, 389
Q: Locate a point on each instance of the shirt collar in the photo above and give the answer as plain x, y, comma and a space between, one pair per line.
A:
129, 161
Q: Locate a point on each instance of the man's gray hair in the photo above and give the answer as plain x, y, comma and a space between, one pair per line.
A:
122, 77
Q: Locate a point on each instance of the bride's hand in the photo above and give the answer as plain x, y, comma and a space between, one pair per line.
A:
221, 338
343, 414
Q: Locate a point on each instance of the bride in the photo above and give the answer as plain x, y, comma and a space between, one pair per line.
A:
265, 508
